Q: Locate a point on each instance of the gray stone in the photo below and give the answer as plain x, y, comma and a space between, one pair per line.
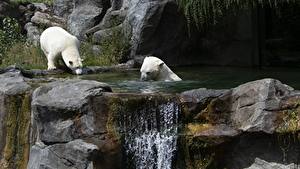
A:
262, 164
13, 83
111, 19
41, 7
63, 8
255, 104
65, 111
96, 50
197, 99
33, 34
82, 19
46, 20
75, 154
156, 27
102, 35
14, 119
55, 104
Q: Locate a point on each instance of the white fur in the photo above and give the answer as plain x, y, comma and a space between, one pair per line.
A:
55, 41
155, 69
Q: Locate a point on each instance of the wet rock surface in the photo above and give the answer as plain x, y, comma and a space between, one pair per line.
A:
81, 124
232, 128
14, 120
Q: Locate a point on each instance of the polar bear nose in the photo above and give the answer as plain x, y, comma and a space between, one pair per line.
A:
143, 77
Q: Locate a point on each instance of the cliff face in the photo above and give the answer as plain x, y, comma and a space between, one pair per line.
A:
150, 27
82, 124
15, 97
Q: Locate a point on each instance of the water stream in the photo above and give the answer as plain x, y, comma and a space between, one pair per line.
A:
150, 136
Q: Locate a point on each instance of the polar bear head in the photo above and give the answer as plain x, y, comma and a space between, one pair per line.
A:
72, 60
151, 68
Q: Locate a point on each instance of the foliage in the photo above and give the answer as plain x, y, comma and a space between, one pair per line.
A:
112, 50
207, 12
10, 33
25, 55
14, 50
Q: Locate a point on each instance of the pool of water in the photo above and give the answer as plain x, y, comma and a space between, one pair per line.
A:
195, 77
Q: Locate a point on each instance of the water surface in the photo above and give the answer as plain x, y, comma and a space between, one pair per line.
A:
196, 77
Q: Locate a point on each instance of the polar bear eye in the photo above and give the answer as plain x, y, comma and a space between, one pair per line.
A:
147, 73
71, 63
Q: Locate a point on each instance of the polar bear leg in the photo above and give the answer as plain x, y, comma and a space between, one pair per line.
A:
51, 61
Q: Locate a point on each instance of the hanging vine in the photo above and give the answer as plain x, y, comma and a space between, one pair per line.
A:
206, 12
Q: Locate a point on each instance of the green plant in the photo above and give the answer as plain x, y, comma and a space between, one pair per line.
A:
10, 33
112, 49
24, 55
206, 12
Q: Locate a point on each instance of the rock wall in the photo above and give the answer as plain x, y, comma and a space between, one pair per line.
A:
15, 96
82, 124
255, 125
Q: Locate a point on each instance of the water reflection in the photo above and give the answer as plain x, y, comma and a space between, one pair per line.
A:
196, 77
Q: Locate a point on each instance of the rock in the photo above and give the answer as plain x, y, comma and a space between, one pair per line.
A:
111, 19
75, 154
38, 7
63, 8
61, 100
65, 111
232, 128
46, 20
253, 106
7, 9
82, 19
148, 25
197, 99
100, 36
262, 164
14, 120
116, 4
33, 34
13, 83
96, 50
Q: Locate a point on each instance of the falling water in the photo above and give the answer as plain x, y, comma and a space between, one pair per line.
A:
151, 136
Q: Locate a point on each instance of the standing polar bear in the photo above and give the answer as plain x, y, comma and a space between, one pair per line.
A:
155, 69
56, 41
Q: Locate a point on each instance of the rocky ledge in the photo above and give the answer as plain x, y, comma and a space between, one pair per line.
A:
77, 124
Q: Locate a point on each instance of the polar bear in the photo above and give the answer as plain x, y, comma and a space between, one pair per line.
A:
56, 41
154, 68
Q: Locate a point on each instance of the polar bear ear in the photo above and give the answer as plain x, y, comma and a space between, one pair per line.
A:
81, 60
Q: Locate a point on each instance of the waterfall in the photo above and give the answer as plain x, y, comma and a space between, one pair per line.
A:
150, 136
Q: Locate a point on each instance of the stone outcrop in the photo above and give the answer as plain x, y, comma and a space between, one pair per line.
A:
70, 126
232, 128
144, 24
15, 95
82, 124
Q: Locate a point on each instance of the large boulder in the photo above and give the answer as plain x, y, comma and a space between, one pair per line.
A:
33, 33
156, 28
15, 111
63, 8
233, 128
71, 127
76, 154
83, 18
46, 20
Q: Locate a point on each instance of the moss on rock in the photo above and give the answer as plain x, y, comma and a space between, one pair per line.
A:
16, 150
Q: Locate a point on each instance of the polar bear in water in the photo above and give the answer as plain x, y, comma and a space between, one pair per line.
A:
155, 69
56, 41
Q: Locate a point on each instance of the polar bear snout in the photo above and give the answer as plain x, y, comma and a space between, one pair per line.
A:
78, 71
145, 76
